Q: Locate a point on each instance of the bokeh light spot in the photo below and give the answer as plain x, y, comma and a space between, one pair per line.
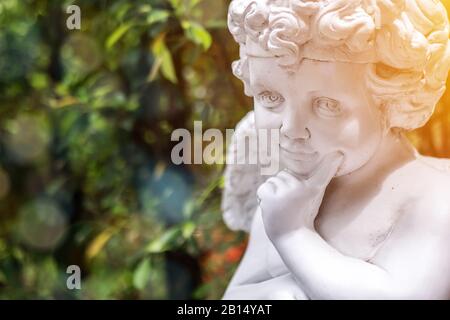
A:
27, 139
42, 224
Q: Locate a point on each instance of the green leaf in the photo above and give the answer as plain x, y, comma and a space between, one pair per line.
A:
168, 240
176, 4
184, 7
222, 182
141, 274
122, 10
188, 229
197, 33
39, 80
157, 15
117, 34
188, 208
145, 8
163, 60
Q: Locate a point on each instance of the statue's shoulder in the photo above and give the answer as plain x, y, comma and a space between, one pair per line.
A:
422, 182
442, 165
432, 188
431, 177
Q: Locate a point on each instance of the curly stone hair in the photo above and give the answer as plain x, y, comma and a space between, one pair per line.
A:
403, 42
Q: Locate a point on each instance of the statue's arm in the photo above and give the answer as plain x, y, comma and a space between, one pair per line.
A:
414, 263
252, 280
283, 287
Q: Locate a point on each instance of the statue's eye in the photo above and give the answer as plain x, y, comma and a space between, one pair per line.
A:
269, 99
326, 107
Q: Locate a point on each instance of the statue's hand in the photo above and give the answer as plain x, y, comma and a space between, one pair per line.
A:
289, 203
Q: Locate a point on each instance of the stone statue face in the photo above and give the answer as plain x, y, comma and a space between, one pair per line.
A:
321, 108
405, 43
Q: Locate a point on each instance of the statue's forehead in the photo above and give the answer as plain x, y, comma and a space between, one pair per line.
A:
263, 64
267, 72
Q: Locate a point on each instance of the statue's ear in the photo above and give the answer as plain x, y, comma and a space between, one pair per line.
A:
241, 71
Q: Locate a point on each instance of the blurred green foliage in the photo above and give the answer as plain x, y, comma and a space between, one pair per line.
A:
85, 170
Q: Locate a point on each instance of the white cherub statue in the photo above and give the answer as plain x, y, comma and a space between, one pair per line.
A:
354, 211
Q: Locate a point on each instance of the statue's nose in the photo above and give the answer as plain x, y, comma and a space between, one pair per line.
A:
294, 125
295, 129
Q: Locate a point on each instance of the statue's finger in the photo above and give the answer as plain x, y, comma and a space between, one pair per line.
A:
327, 169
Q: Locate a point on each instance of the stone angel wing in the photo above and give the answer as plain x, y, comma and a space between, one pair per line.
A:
239, 201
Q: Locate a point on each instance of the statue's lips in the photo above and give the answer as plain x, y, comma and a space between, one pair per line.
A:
299, 155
